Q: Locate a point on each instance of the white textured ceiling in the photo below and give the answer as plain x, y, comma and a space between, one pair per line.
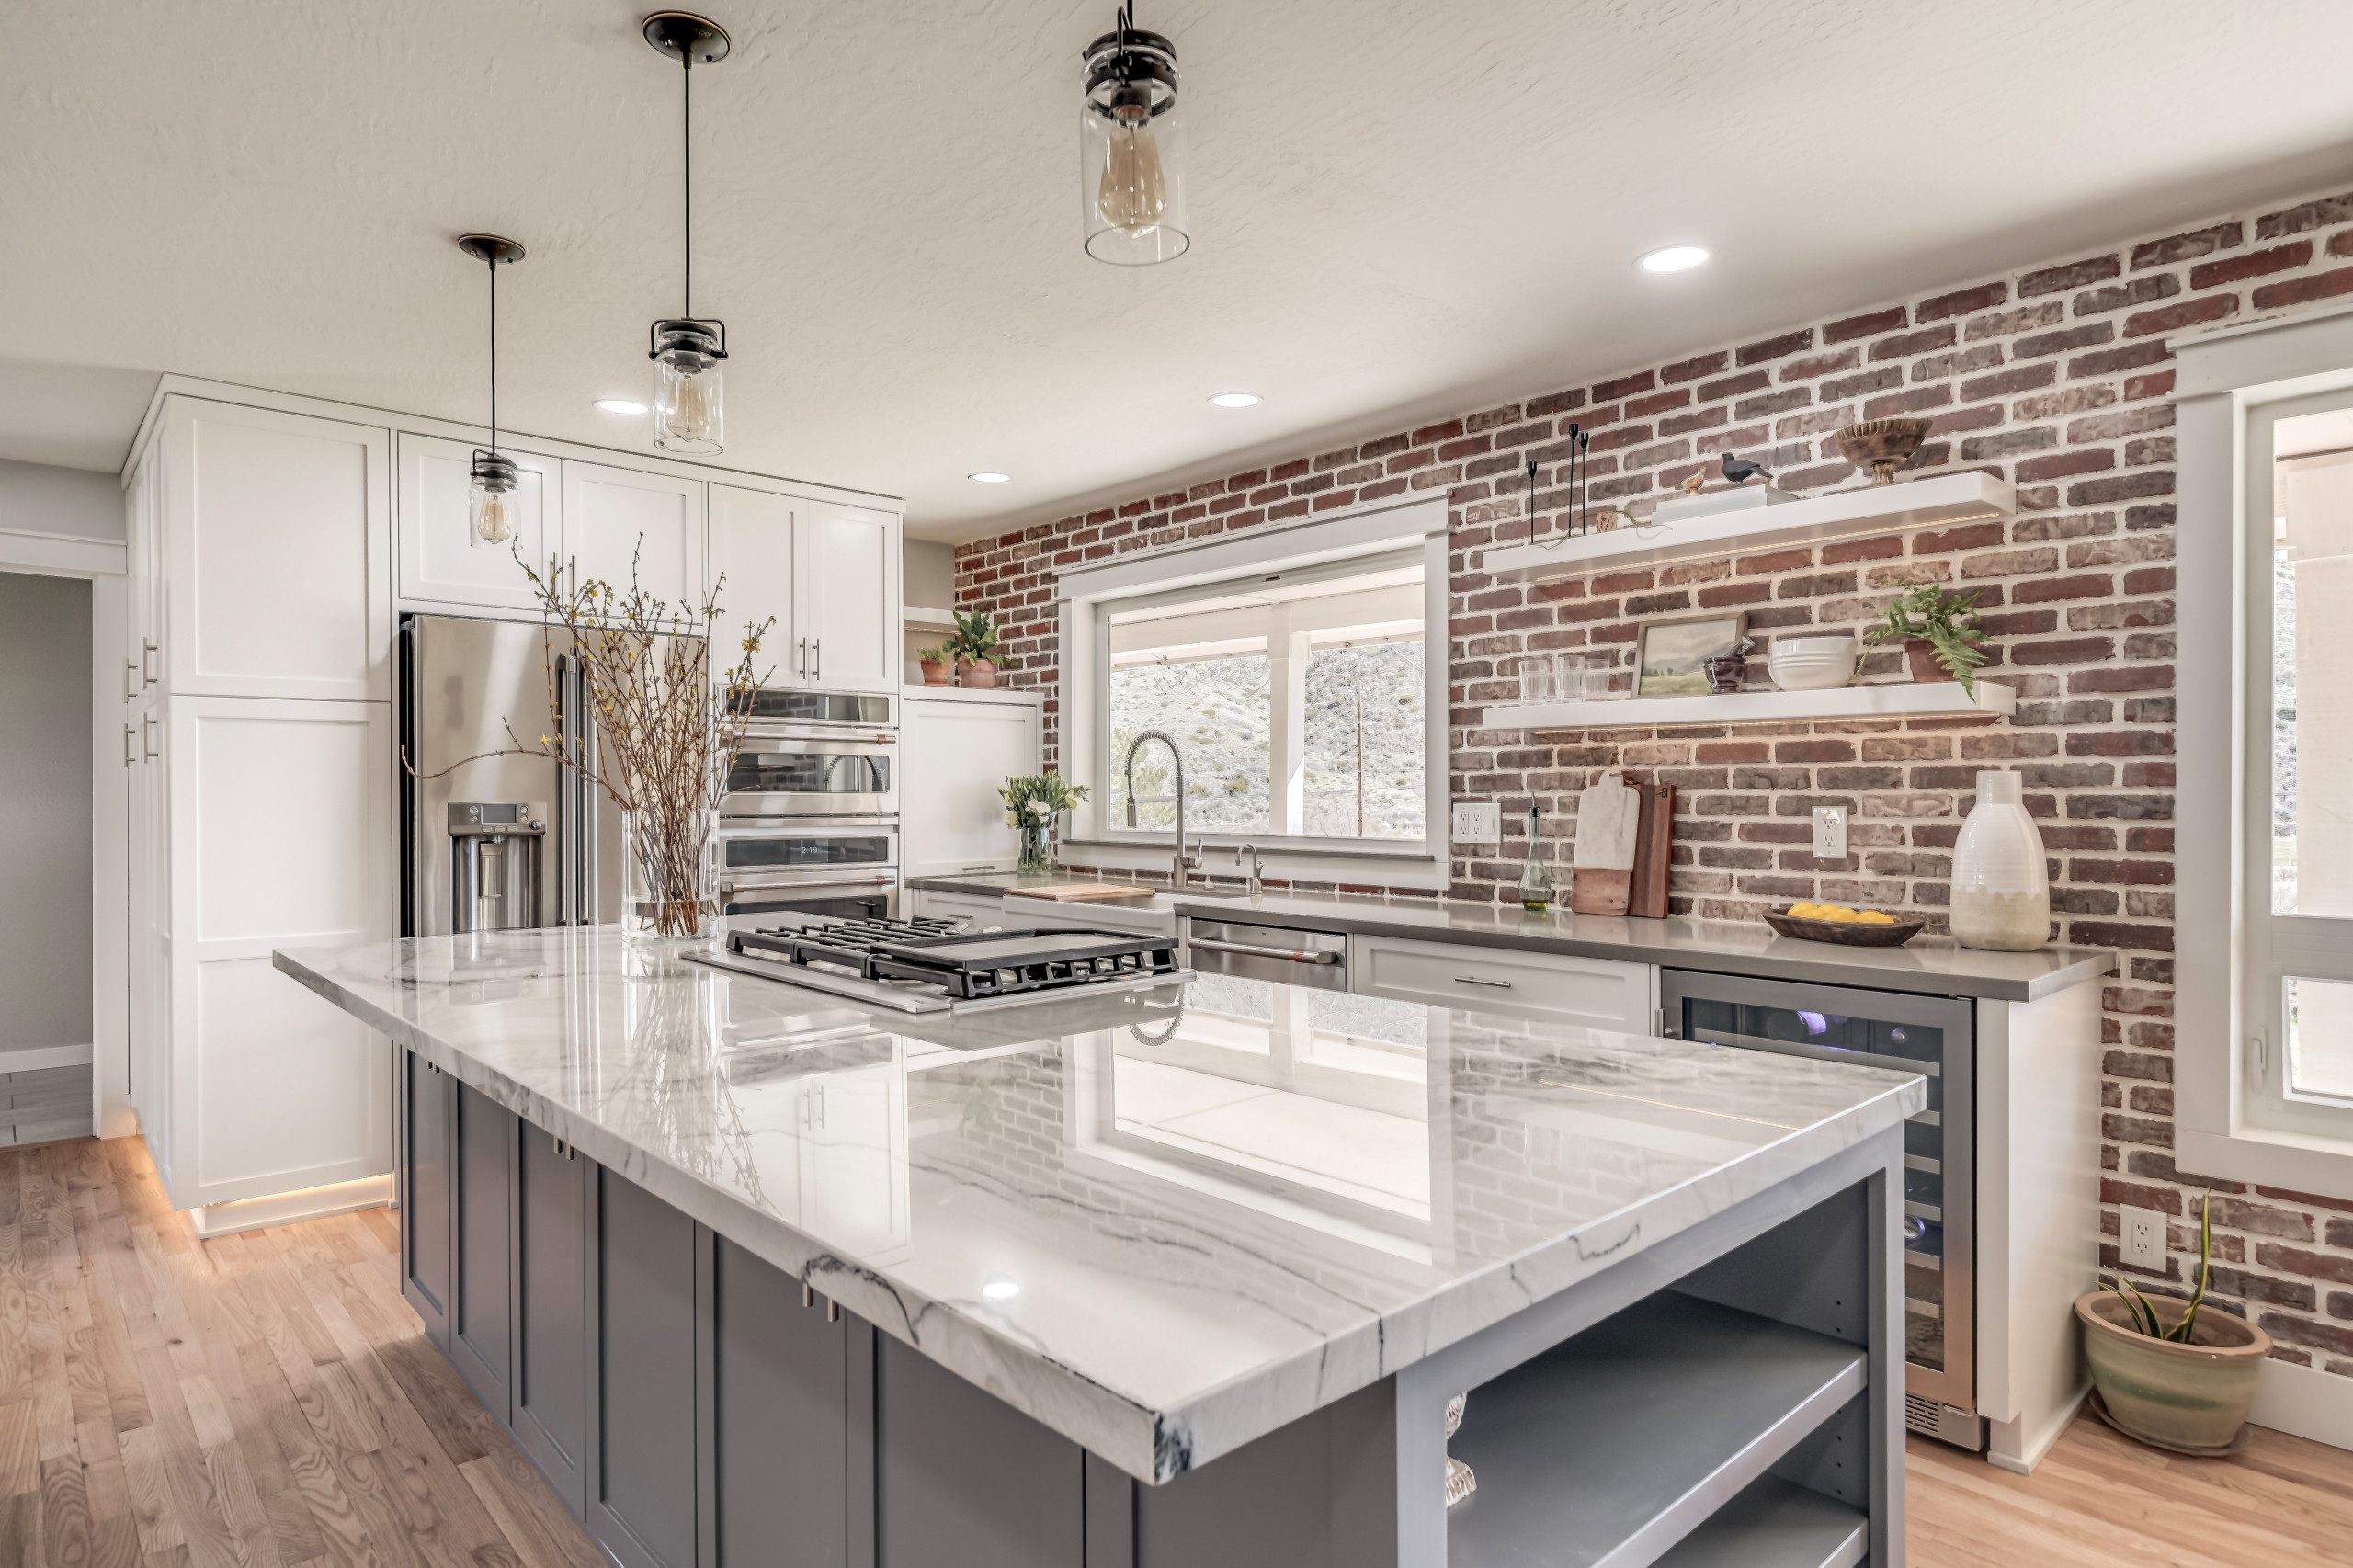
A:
1399, 208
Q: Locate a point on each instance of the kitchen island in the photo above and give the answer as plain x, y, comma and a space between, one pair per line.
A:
1177, 1275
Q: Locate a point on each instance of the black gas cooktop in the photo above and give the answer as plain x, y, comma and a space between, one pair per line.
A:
963, 965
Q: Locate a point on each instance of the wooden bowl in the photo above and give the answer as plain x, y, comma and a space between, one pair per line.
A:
1883, 445
1843, 933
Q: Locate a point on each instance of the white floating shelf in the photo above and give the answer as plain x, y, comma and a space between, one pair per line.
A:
1849, 514
1910, 699
923, 615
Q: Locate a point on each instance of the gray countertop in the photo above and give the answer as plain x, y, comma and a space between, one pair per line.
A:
1931, 965
1162, 1222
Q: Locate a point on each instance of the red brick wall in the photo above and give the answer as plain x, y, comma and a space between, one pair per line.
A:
2055, 378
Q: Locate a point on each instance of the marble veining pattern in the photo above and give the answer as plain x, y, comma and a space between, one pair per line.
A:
1161, 1222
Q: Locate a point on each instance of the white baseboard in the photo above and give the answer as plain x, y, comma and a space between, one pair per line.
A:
2305, 1402
2010, 1447
39, 1058
284, 1208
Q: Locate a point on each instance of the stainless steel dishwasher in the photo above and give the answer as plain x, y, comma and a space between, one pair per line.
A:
1936, 1037
1294, 955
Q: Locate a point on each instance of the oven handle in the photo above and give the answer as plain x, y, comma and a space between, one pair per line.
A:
1247, 949
728, 885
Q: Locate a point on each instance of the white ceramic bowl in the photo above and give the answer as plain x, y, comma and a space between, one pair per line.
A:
1811, 663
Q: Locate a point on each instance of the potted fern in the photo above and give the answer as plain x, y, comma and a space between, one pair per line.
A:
2168, 1372
1939, 632
974, 647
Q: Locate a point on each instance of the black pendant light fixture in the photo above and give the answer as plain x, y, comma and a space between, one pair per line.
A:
491, 498
689, 407
1130, 150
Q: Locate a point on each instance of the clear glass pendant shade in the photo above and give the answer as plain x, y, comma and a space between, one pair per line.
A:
1131, 167
492, 501
689, 390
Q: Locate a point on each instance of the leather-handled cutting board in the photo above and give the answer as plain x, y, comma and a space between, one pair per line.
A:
1085, 893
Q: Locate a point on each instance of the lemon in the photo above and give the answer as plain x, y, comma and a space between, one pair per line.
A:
1801, 911
1875, 917
1836, 912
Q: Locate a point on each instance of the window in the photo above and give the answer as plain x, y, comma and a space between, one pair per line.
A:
1300, 702
1301, 671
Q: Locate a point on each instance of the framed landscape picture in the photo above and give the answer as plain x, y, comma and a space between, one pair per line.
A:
1670, 656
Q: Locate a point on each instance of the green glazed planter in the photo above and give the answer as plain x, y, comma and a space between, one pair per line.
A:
2176, 1396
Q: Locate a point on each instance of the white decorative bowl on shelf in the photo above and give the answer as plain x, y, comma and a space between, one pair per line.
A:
1811, 663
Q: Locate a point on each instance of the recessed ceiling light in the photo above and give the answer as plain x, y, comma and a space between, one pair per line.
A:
989, 476
1672, 258
620, 406
1236, 400
1000, 1289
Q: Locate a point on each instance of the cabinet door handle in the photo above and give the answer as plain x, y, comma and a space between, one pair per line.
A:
126, 758
1475, 980
801, 668
147, 654
151, 733
130, 687
818, 647
984, 866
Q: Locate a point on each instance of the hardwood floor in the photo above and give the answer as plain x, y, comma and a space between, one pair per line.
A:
268, 1400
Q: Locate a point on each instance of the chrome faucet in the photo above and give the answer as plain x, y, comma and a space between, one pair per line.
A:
1257, 883
1185, 863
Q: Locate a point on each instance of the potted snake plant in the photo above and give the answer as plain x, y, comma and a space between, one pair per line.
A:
2168, 1372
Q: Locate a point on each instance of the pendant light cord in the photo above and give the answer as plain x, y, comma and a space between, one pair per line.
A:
687, 58
493, 351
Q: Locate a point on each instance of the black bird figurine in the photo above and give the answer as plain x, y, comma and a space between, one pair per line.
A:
1740, 470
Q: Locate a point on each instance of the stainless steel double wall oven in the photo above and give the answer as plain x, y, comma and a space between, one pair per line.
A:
810, 824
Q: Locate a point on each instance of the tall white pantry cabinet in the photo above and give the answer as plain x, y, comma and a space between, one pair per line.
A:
274, 541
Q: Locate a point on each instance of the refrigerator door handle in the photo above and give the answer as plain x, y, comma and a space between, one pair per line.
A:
567, 801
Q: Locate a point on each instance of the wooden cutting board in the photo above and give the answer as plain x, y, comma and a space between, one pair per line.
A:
1085, 893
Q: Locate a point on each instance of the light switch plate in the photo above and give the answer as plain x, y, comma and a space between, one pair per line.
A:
2141, 1238
1830, 832
1478, 821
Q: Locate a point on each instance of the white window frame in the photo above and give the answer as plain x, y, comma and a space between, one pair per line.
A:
1357, 534
2232, 1118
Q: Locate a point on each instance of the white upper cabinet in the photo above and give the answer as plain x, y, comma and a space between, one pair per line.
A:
441, 562
956, 751
277, 531
142, 653
612, 514
754, 563
850, 586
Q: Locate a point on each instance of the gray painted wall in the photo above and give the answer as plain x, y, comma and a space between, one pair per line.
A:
37, 498
930, 575
45, 807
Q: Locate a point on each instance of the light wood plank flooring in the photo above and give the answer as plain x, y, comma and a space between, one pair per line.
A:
268, 1401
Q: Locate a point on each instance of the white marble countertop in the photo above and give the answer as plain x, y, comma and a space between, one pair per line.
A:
1162, 1222
1930, 965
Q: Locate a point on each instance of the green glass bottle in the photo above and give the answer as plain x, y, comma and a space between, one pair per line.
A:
1535, 878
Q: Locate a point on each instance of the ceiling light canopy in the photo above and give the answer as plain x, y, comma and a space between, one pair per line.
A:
989, 476
491, 479
1130, 150
1237, 399
689, 408
620, 405
1672, 258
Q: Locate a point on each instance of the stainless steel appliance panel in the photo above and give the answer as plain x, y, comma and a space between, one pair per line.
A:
472, 691
846, 866
1934, 1036
1318, 959
814, 777
774, 705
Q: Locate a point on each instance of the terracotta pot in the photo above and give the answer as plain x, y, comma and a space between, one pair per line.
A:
2178, 1396
935, 672
1921, 654
978, 673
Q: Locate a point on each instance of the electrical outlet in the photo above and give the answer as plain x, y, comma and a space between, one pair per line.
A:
2141, 1238
1830, 832
1478, 821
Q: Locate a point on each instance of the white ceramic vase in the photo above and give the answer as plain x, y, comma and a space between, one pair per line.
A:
2001, 885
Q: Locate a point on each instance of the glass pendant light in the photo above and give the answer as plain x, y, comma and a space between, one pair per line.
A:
490, 499
1131, 153
689, 389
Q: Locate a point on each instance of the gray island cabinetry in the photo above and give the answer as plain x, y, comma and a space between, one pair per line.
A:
1173, 1277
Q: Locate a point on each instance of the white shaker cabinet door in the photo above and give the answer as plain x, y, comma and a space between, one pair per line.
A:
281, 836
614, 515
753, 564
277, 537
440, 561
850, 592
956, 753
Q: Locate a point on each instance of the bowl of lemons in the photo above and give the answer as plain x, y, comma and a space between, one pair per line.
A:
1848, 928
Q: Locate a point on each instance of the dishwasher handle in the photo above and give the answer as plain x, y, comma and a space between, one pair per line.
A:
1252, 951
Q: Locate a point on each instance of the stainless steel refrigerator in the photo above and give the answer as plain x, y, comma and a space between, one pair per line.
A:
500, 842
